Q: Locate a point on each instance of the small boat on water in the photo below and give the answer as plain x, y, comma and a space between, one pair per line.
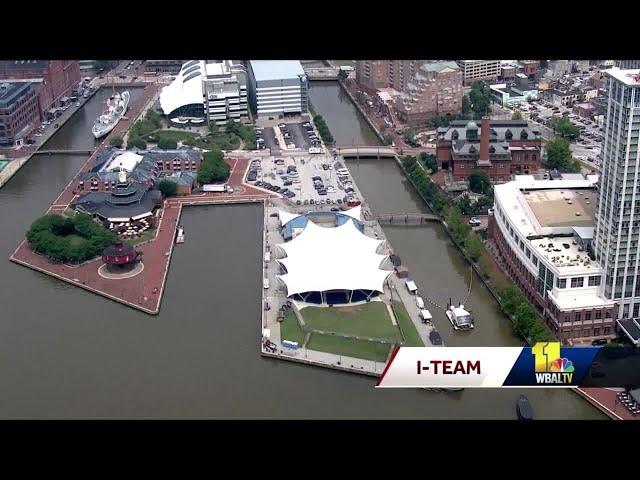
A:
180, 235
460, 318
523, 407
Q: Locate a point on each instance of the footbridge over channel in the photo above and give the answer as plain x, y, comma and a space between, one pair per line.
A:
405, 218
366, 151
322, 73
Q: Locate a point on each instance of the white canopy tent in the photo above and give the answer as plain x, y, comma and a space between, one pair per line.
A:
186, 89
339, 258
286, 217
355, 213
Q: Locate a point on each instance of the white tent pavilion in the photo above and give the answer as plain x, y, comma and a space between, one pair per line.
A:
322, 260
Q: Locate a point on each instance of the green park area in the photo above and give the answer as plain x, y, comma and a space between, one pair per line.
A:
334, 330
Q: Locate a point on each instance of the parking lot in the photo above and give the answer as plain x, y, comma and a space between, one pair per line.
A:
304, 179
287, 136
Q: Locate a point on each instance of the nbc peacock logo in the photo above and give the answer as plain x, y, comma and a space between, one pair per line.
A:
550, 367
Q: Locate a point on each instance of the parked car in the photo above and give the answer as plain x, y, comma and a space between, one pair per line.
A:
474, 221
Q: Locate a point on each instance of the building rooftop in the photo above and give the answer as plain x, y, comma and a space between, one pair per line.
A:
563, 207
264, 70
9, 92
628, 77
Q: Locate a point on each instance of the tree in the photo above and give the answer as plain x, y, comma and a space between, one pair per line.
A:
429, 161
525, 319
480, 97
167, 187
457, 225
479, 182
213, 168
565, 128
559, 156
473, 245
516, 115
167, 144
466, 105
136, 142
116, 141
511, 298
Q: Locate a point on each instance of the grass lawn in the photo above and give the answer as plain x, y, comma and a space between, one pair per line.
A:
290, 330
408, 328
349, 347
75, 239
175, 135
367, 320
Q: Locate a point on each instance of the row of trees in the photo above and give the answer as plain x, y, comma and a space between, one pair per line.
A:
563, 127
168, 188
559, 156
323, 129
428, 161
429, 190
463, 234
526, 322
142, 128
69, 239
213, 167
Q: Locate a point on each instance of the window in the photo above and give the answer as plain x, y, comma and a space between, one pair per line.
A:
596, 332
577, 282
594, 280
587, 315
598, 314
567, 319
562, 283
607, 330
578, 316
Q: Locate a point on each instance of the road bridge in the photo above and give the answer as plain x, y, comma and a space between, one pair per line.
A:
406, 218
322, 73
366, 151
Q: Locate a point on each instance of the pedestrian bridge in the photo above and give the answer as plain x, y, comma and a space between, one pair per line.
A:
405, 218
64, 152
322, 73
367, 151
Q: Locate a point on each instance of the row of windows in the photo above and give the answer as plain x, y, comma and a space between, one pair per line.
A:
577, 282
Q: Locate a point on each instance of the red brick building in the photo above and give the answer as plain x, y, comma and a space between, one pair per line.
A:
500, 148
435, 89
54, 79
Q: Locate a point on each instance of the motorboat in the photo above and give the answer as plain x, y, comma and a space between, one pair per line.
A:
460, 318
523, 407
180, 235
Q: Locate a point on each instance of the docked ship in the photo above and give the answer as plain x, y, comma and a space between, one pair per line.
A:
109, 118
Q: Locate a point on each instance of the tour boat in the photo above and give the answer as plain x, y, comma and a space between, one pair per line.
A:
180, 235
460, 318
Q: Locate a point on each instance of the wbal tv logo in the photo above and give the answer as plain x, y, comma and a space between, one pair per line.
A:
550, 368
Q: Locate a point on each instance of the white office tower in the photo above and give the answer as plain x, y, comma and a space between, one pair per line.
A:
618, 214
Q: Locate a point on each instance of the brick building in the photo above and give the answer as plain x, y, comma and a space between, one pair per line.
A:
501, 148
372, 75
54, 79
435, 89
18, 112
476, 70
530, 67
543, 230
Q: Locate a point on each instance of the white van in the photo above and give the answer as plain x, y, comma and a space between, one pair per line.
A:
425, 316
411, 286
420, 303
265, 283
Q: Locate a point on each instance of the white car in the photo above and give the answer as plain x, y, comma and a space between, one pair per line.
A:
474, 221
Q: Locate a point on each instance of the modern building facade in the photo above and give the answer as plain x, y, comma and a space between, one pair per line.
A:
277, 87
19, 112
225, 89
628, 64
54, 79
435, 89
501, 148
618, 218
476, 70
507, 95
543, 230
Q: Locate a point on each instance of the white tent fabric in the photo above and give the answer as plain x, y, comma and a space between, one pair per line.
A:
128, 161
286, 217
338, 258
355, 212
180, 92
